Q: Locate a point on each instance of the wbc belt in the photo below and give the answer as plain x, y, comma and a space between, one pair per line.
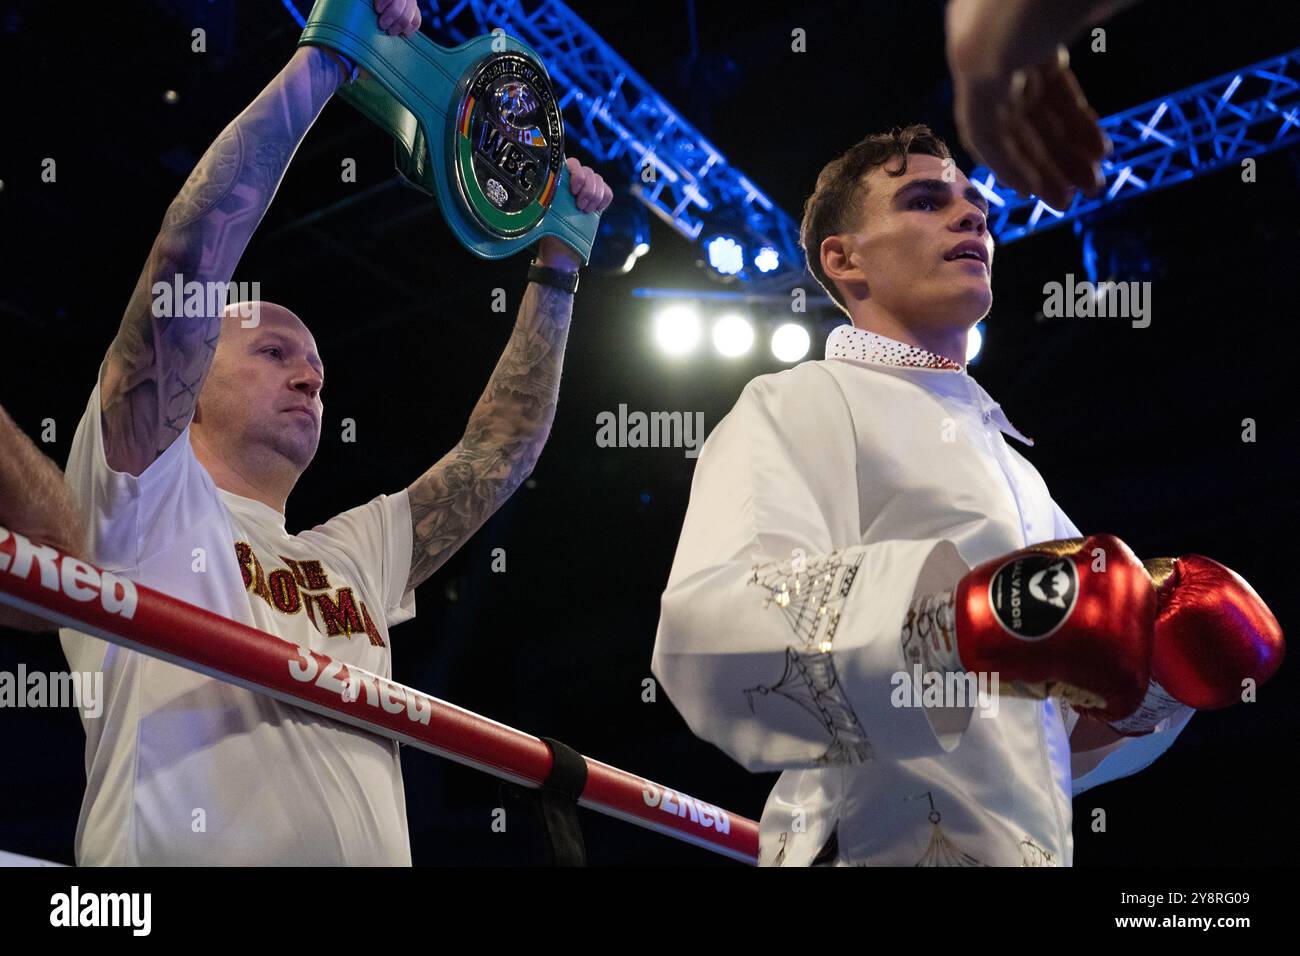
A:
476, 127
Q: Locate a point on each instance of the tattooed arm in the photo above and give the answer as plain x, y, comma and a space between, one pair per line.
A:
35, 503
504, 438
512, 419
155, 367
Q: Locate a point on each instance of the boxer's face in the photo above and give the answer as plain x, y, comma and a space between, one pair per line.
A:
262, 397
906, 252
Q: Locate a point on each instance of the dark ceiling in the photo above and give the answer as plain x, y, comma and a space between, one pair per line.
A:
1138, 431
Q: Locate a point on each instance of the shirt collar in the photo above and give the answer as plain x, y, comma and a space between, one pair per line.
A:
254, 509
858, 345
852, 344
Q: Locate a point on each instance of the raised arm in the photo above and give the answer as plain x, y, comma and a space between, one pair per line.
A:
503, 440
1014, 33
34, 502
156, 365
512, 419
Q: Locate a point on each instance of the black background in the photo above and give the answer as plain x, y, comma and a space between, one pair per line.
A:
1139, 431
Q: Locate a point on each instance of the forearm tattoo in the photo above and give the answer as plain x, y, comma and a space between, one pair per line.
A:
503, 441
156, 365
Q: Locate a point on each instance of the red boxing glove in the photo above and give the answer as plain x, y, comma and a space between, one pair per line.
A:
1044, 620
1212, 632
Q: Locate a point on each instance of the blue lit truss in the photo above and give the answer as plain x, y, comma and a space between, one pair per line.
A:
617, 116
1170, 140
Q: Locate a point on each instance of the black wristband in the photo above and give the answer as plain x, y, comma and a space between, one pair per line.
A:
564, 281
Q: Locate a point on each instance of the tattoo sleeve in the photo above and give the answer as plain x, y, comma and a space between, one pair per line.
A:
504, 438
33, 499
35, 503
156, 365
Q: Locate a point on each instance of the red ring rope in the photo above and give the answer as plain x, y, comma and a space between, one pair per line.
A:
42, 580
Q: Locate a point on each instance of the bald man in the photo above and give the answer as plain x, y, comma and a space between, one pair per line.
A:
192, 440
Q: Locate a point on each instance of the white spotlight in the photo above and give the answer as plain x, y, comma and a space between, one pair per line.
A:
790, 342
726, 255
733, 335
767, 259
677, 329
974, 342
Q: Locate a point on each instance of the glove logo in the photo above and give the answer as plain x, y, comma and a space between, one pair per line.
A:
1033, 595
1055, 580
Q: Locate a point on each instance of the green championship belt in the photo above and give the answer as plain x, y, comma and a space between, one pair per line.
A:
475, 126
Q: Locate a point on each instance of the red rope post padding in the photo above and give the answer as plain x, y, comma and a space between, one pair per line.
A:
42, 580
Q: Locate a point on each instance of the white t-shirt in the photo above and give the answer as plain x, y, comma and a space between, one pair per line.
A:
189, 770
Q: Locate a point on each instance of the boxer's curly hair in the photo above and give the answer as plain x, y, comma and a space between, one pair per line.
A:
836, 202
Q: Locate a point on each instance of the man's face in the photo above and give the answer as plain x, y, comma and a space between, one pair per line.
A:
918, 249
262, 397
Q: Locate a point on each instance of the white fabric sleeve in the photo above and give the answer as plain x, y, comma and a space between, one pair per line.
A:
1127, 755
376, 539
779, 635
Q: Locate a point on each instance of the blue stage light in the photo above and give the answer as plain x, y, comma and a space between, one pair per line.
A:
726, 255
767, 259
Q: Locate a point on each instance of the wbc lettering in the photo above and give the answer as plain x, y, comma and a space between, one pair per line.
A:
508, 158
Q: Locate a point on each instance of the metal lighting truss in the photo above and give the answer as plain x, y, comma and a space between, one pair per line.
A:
1170, 140
617, 116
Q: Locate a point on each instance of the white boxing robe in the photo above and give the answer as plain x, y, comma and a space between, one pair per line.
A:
830, 496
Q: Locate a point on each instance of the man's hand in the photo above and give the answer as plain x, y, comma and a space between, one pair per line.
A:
1018, 105
1214, 635
398, 17
592, 194
1053, 626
